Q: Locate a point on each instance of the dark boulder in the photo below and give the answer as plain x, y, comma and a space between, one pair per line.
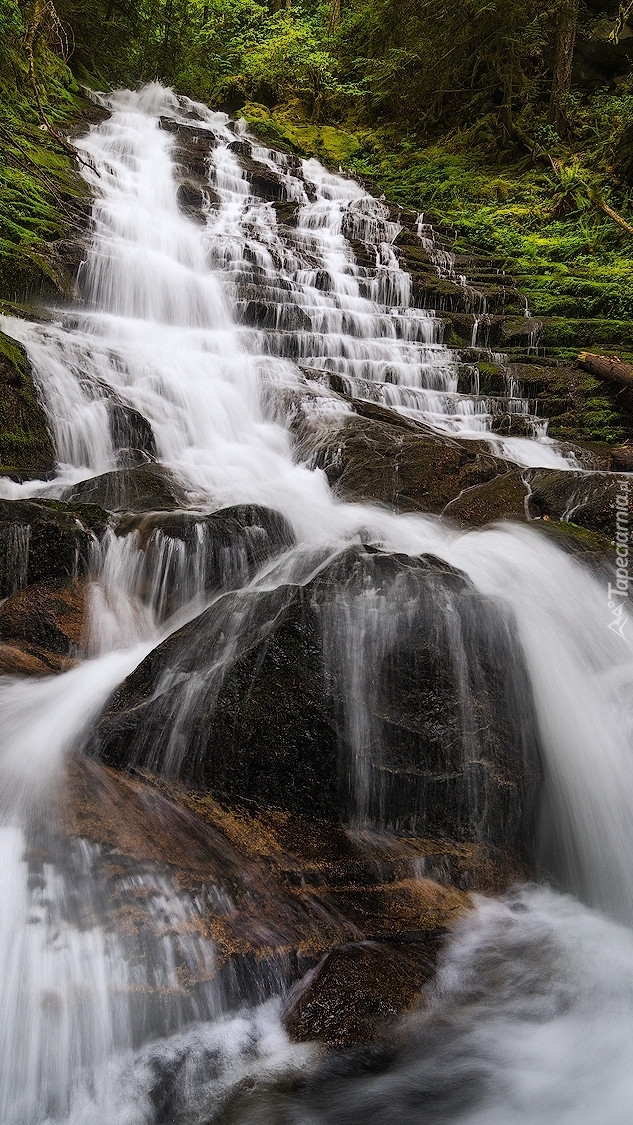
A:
386, 690
357, 990
386, 458
263, 180
186, 553
131, 433
143, 488
584, 498
45, 540
504, 497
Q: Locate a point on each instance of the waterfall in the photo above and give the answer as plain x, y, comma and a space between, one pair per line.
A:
216, 311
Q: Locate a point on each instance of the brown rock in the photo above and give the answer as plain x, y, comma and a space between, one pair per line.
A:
622, 459
395, 462
502, 498
358, 989
45, 622
23, 659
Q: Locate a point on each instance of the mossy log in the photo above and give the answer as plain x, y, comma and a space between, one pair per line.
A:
607, 367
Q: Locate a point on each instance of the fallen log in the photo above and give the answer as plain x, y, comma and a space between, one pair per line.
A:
609, 367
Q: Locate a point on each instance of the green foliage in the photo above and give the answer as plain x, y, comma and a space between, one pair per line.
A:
291, 60
10, 22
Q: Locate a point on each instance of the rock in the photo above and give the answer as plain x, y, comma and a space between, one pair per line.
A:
46, 619
143, 488
131, 433
502, 498
586, 499
44, 540
622, 459
24, 659
287, 212
264, 182
26, 448
241, 148
186, 553
274, 696
518, 330
276, 894
397, 462
251, 530
574, 509
358, 989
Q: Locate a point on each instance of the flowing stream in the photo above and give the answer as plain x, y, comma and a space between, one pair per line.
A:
207, 324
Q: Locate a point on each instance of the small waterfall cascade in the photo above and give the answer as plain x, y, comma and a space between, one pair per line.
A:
230, 291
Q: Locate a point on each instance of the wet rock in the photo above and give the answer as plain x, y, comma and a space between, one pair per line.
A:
287, 212
46, 619
528, 495
504, 497
399, 463
518, 330
131, 434
358, 989
46, 540
185, 553
194, 199
276, 893
241, 148
323, 700
261, 532
23, 659
264, 182
143, 488
26, 448
586, 499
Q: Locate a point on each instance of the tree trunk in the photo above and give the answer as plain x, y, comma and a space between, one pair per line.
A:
608, 367
566, 28
614, 215
335, 15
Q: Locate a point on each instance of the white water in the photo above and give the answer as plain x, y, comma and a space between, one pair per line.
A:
161, 330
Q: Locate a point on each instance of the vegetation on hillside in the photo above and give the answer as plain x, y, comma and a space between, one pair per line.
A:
511, 120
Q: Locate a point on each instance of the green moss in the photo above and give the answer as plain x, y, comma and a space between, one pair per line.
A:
333, 146
587, 334
42, 194
25, 445
578, 540
491, 378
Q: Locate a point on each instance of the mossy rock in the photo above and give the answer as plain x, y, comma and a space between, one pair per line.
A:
561, 332
43, 541
142, 488
395, 462
26, 447
282, 127
502, 498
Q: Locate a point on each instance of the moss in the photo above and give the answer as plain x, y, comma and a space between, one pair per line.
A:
26, 449
333, 146
579, 334
579, 540
42, 195
491, 378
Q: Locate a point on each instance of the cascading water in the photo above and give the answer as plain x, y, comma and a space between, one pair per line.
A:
198, 338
